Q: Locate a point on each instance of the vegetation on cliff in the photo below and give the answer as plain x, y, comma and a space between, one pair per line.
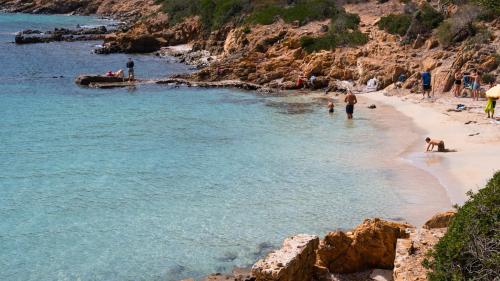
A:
395, 23
343, 31
471, 248
215, 13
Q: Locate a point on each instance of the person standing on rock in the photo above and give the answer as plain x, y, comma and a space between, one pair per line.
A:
130, 67
351, 100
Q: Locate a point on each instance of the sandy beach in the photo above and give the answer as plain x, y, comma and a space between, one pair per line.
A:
476, 139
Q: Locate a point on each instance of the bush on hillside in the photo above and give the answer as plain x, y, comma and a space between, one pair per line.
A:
302, 11
395, 23
459, 27
488, 78
343, 31
430, 18
423, 22
470, 250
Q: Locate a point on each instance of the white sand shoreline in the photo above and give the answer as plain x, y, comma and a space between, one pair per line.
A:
477, 157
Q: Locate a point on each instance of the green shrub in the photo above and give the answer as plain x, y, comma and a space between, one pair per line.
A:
395, 23
314, 44
488, 78
429, 17
302, 11
470, 250
343, 32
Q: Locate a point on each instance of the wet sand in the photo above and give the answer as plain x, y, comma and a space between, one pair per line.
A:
477, 143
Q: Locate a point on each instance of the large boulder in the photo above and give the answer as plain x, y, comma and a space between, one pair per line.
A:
440, 220
371, 245
293, 262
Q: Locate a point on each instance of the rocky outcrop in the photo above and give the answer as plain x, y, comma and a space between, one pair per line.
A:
411, 252
370, 245
61, 34
126, 9
440, 220
293, 262
86, 80
150, 35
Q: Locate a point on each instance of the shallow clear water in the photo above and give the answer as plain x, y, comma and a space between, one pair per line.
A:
161, 183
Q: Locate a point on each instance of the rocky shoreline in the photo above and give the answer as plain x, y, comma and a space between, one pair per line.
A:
31, 36
375, 250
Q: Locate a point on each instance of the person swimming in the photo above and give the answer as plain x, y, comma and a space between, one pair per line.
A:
331, 107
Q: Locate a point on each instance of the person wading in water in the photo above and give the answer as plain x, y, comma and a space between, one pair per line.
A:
351, 100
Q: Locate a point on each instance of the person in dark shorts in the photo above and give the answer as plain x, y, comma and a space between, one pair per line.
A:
351, 100
130, 67
439, 143
331, 107
426, 83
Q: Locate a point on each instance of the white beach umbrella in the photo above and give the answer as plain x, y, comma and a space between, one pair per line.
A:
494, 92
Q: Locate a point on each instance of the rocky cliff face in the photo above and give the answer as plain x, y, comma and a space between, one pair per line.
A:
272, 55
126, 9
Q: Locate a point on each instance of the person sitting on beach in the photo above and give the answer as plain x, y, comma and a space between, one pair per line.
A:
426, 83
401, 80
439, 143
351, 100
331, 107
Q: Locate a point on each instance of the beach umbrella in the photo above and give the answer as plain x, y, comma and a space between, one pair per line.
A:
494, 92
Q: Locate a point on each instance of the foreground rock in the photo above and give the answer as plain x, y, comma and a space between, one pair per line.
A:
371, 245
86, 80
411, 252
440, 220
293, 262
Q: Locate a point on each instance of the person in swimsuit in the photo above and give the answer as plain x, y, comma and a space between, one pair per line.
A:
351, 100
439, 143
476, 84
457, 84
331, 107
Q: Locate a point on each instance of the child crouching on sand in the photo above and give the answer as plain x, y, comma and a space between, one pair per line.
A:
439, 143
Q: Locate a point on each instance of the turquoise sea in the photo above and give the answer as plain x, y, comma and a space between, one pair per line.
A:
163, 183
